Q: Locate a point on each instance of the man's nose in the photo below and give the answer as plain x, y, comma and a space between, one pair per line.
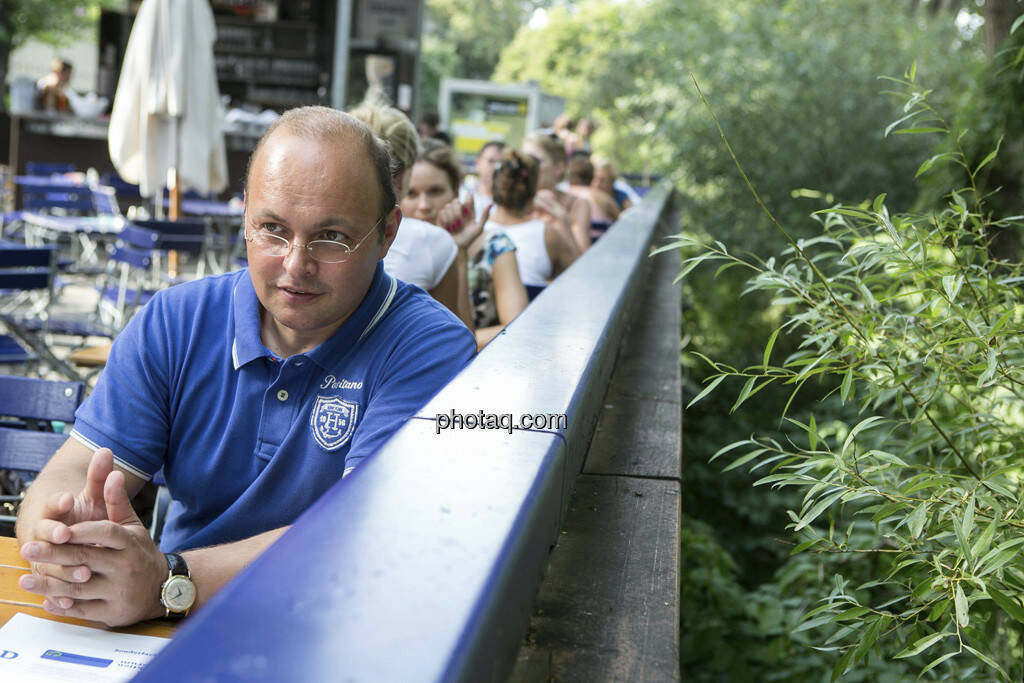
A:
298, 259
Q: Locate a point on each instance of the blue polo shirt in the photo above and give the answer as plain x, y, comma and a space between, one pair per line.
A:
247, 440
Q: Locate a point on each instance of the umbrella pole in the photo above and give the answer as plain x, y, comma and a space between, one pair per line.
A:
173, 195
173, 213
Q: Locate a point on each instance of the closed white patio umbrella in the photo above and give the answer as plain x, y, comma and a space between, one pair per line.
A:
166, 112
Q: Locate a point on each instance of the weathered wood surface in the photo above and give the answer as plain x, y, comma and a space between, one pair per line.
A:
608, 609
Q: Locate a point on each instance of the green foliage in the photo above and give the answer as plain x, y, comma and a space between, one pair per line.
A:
464, 39
912, 508
54, 21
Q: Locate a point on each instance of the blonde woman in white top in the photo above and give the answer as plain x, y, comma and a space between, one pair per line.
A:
422, 254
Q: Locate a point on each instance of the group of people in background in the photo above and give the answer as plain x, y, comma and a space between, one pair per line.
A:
485, 248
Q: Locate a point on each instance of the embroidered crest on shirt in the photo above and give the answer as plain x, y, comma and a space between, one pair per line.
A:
333, 421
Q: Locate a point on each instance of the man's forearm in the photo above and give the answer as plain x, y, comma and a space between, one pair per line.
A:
214, 566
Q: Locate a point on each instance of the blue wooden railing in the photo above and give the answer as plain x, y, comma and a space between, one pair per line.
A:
423, 564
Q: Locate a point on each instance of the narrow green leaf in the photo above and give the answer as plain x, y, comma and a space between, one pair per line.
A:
878, 203
935, 662
744, 459
842, 664
921, 645
869, 638
917, 518
968, 528
960, 603
920, 130
861, 426
984, 542
844, 391
912, 72
812, 433
768, 347
990, 369
1016, 23
813, 623
708, 389
951, 285
819, 507
990, 157
1006, 603
744, 393
735, 444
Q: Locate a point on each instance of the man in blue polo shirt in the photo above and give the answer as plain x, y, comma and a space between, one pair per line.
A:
254, 391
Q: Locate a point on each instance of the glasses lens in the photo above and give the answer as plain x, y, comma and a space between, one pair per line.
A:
272, 245
326, 251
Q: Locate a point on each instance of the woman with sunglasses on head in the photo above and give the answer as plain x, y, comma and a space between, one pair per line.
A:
561, 209
542, 250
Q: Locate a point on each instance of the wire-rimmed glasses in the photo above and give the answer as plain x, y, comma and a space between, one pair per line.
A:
321, 251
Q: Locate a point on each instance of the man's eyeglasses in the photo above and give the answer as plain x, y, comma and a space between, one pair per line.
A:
322, 251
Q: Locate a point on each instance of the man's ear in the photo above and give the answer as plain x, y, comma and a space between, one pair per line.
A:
390, 230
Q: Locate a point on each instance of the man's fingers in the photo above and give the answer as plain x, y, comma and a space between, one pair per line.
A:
72, 574
115, 496
102, 533
101, 465
58, 506
63, 561
56, 589
90, 610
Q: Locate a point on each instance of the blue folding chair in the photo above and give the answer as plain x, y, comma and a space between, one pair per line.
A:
33, 413
187, 235
48, 168
33, 270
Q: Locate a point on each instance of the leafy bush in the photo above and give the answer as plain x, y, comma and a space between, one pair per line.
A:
912, 509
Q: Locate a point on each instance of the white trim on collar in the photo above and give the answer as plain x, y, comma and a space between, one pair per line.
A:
383, 306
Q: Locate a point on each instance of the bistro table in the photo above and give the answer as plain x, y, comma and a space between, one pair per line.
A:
13, 599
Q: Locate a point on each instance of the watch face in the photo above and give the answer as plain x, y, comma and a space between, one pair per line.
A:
178, 594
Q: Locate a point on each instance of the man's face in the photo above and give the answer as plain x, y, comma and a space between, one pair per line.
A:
485, 165
305, 190
603, 180
548, 174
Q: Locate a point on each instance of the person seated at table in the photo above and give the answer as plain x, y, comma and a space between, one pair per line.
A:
543, 251
580, 175
482, 192
254, 391
50, 89
423, 254
430, 128
562, 209
606, 179
433, 184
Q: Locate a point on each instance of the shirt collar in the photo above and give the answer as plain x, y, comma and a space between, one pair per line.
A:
248, 346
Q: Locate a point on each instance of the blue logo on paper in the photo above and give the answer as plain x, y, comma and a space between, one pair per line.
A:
333, 421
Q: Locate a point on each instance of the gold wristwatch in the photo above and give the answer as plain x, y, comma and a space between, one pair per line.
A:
178, 593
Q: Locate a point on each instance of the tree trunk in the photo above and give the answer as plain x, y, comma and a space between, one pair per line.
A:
999, 17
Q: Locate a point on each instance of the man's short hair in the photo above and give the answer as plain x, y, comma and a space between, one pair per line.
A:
580, 171
324, 124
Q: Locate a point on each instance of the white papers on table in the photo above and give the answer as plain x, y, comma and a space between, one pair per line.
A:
36, 650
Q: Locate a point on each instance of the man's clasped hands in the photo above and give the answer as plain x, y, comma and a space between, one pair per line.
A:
91, 556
